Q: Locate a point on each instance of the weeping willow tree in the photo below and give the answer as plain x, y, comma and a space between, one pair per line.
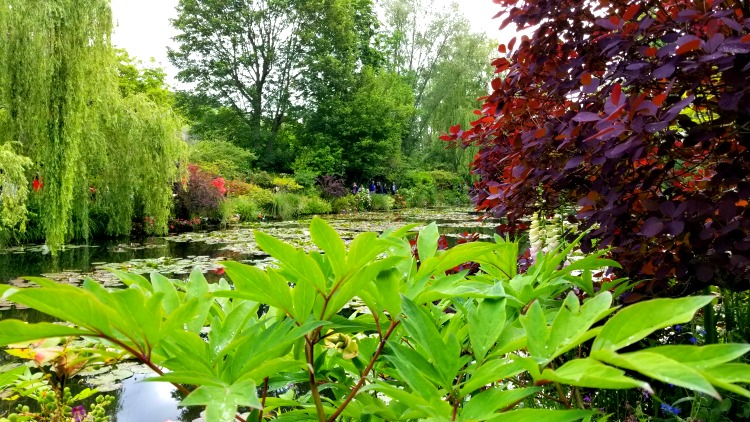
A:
92, 151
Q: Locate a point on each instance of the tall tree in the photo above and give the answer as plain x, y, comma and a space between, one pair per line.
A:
634, 115
65, 113
433, 48
244, 55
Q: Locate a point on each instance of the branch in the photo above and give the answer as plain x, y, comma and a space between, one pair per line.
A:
367, 370
309, 350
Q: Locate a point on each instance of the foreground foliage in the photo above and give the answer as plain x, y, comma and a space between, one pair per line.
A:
370, 332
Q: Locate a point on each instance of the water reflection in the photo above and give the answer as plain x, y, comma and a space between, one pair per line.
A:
141, 401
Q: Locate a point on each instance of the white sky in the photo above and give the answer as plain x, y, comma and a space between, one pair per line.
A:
142, 26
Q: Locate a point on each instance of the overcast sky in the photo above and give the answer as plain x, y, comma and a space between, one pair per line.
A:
142, 26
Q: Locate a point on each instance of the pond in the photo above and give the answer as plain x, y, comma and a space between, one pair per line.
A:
177, 255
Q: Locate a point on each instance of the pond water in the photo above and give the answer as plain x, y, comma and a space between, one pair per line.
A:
176, 256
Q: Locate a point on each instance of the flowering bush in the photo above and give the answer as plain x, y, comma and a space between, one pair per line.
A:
202, 195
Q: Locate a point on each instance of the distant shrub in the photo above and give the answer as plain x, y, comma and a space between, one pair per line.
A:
419, 197
286, 206
445, 180
201, 197
222, 158
286, 184
263, 198
246, 209
237, 187
332, 187
363, 201
316, 205
306, 178
261, 178
418, 179
344, 204
382, 202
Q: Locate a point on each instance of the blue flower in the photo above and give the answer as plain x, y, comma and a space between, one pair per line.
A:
677, 328
693, 340
669, 410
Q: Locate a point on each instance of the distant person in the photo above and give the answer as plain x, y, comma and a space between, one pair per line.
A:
393, 188
355, 188
372, 187
378, 188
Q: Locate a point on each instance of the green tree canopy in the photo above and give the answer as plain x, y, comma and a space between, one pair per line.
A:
92, 148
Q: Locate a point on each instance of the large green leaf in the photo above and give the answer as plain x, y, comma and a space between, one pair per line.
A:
257, 285
15, 331
486, 323
296, 263
488, 372
702, 356
421, 327
537, 332
592, 374
483, 406
573, 321
427, 241
539, 415
67, 303
329, 241
221, 402
637, 321
165, 286
659, 367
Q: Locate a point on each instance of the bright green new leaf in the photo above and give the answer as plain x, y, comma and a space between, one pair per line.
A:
637, 321
591, 373
130, 279
542, 415
572, 322
488, 372
329, 241
537, 332
221, 402
421, 327
660, 368
427, 241
484, 405
163, 285
486, 323
257, 285
15, 331
702, 356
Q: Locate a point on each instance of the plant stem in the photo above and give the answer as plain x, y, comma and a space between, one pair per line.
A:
709, 320
263, 399
309, 353
561, 394
367, 370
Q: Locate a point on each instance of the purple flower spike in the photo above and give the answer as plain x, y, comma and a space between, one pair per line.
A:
78, 413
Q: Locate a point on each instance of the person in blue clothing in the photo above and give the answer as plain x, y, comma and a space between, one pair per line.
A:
372, 187
393, 188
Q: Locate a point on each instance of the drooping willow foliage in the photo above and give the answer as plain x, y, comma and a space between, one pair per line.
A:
96, 153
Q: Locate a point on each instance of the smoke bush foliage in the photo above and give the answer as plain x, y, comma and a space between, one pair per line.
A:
635, 114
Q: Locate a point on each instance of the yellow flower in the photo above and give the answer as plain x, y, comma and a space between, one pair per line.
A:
342, 343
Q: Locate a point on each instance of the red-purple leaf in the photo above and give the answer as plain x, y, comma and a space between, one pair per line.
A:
585, 116
652, 227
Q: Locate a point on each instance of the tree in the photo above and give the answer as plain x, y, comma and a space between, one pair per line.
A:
244, 56
433, 49
355, 113
636, 116
91, 148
